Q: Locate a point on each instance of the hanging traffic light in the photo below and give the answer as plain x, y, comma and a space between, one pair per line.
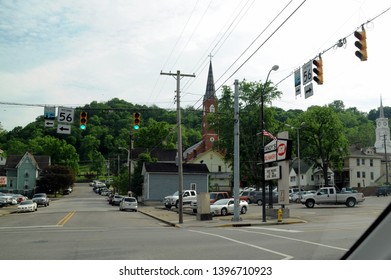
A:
318, 70
83, 120
136, 120
361, 44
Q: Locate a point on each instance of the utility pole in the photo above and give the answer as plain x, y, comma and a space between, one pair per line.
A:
386, 158
236, 217
178, 77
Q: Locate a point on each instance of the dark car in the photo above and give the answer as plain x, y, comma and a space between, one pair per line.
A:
382, 191
256, 197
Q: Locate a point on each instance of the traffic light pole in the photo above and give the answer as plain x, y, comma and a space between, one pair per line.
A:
178, 77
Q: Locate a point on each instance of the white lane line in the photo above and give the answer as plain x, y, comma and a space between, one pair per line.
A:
295, 239
286, 257
276, 229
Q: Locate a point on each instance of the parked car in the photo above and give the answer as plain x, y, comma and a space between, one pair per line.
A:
27, 206
256, 197
19, 198
128, 203
295, 197
41, 199
67, 190
116, 199
382, 191
226, 206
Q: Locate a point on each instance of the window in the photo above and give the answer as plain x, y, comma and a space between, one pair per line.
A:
358, 174
371, 162
358, 162
363, 174
212, 109
193, 186
372, 176
219, 168
363, 161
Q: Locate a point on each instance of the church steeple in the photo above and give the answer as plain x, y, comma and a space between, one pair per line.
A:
210, 84
383, 142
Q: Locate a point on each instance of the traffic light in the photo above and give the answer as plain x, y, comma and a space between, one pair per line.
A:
318, 70
83, 120
136, 120
361, 44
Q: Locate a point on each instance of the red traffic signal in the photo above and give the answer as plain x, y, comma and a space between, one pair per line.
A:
361, 44
318, 70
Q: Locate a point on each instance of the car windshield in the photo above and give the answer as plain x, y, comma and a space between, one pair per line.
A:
221, 202
26, 202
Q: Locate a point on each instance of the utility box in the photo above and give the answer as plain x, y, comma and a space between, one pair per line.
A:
203, 207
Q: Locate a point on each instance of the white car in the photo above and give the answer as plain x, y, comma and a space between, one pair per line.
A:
128, 203
27, 206
226, 206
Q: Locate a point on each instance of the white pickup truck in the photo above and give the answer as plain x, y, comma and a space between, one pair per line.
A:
329, 195
173, 200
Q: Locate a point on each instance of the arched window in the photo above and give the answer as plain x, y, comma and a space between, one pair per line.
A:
212, 108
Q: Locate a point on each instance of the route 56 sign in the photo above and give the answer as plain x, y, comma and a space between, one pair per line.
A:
65, 115
307, 72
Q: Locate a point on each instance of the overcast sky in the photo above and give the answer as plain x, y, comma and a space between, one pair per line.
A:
69, 53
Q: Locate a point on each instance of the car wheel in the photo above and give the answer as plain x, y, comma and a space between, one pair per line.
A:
243, 210
168, 206
259, 202
310, 203
177, 204
224, 212
351, 202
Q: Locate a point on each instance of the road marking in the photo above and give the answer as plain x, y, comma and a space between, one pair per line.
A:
298, 240
276, 229
67, 217
286, 257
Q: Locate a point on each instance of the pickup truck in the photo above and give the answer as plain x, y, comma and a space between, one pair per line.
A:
173, 200
330, 195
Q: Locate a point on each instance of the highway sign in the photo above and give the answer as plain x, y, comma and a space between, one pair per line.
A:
64, 128
297, 82
49, 115
65, 115
307, 72
308, 90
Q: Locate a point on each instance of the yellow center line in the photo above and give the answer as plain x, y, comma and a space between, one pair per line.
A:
64, 220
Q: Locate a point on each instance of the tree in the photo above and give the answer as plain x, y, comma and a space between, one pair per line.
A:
323, 141
250, 126
56, 178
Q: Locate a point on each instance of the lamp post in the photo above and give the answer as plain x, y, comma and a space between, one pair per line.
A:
274, 68
298, 154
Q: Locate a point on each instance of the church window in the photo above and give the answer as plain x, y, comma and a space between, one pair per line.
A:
212, 109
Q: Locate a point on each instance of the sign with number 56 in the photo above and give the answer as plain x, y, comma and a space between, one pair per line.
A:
65, 115
307, 72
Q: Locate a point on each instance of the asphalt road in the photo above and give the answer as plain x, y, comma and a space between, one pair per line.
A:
83, 226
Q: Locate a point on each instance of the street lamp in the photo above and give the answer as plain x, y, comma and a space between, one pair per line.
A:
274, 68
298, 154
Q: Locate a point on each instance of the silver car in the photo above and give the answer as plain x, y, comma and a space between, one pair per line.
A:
128, 203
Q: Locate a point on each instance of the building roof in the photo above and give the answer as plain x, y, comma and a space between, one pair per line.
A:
166, 167
41, 161
165, 155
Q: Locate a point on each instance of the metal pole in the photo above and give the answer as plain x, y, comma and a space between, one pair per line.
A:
236, 217
385, 155
298, 158
178, 76
274, 68
130, 162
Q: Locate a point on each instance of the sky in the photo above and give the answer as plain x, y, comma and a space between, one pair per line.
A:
72, 52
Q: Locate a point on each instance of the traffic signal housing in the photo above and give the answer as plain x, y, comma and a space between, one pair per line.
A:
136, 120
361, 44
318, 70
83, 120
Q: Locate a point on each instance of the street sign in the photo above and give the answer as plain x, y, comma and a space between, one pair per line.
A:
272, 173
49, 115
65, 115
307, 72
297, 82
308, 90
64, 128
279, 150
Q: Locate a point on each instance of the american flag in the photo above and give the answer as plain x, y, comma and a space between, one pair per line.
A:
268, 134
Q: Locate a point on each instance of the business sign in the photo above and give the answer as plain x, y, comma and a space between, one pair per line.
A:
278, 150
273, 173
49, 115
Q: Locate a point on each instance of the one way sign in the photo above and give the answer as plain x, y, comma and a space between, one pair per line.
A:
64, 129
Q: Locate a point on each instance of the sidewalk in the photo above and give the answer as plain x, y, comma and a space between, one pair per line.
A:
171, 217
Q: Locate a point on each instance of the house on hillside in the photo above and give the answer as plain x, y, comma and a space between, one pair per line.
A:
22, 172
161, 179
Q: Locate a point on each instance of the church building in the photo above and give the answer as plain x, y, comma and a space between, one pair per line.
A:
206, 151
